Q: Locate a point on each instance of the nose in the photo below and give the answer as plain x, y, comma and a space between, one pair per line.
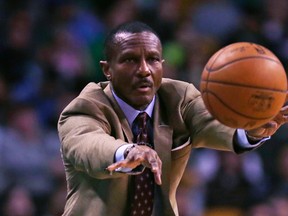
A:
144, 69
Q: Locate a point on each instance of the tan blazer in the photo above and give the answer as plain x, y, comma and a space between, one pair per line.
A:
92, 127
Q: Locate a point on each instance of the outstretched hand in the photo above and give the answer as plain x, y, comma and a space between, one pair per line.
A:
141, 155
271, 127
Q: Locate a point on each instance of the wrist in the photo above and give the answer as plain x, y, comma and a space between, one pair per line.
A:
145, 144
127, 150
253, 138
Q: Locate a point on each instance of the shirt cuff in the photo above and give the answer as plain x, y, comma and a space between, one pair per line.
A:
119, 155
242, 144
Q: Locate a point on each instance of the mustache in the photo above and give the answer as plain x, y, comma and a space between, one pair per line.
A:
143, 83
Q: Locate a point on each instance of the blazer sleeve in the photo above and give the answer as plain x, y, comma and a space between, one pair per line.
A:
87, 138
205, 130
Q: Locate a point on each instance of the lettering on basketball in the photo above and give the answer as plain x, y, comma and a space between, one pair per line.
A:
260, 50
261, 101
239, 49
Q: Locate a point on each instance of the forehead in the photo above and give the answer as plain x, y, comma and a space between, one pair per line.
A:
146, 40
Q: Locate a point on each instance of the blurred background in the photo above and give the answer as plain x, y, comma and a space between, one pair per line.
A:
50, 49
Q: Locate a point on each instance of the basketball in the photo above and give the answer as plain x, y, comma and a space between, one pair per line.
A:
244, 85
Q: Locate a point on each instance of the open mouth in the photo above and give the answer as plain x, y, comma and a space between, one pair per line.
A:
143, 86
146, 86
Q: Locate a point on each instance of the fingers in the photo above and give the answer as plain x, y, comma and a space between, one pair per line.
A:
123, 163
113, 167
141, 155
148, 158
284, 110
282, 116
156, 168
272, 126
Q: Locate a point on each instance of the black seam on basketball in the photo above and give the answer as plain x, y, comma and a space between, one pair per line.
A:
235, 111
243, 85
216, 57
239, 59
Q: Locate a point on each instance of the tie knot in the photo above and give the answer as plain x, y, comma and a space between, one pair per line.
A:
139, 128
140, 122
141, 118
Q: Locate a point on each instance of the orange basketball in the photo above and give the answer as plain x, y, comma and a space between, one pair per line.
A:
244, 85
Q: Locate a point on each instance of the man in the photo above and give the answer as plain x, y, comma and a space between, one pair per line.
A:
101, 162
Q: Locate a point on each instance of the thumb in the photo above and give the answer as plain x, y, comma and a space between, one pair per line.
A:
270, 124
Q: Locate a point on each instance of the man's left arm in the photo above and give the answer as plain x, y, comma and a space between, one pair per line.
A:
251, 139
243, 142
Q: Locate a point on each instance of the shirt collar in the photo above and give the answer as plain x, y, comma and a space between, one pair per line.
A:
131, 113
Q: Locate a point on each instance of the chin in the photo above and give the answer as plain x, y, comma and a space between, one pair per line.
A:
142, 102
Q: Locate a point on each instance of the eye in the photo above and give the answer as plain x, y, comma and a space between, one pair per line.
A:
129, 60
154, 59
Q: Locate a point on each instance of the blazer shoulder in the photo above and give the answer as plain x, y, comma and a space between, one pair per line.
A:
93, 89
177, 88
91, 100
166, 82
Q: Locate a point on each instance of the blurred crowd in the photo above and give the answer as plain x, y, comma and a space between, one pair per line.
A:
50, 49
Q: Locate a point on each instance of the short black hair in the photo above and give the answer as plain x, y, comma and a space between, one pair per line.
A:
128, 27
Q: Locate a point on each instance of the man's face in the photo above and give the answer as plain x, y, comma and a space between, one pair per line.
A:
135, 69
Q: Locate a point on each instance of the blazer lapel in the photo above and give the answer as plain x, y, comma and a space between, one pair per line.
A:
162, 134
163, 146
124, 123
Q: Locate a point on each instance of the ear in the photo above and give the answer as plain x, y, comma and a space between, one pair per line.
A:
106, 69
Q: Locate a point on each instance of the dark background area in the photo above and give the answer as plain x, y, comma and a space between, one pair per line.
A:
50, 49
